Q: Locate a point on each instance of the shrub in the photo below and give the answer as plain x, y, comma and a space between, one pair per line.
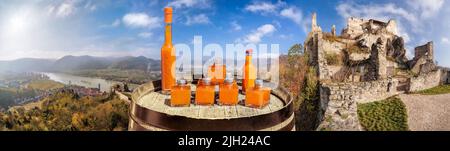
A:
308, 102
331, 38
333, 58
355, 49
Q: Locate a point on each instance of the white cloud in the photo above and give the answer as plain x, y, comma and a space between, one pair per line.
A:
90, 6
379, 12
235, 26
279, 9
190, 3
145, 34
65, 9
445, 40
262, 7
292, 13
116, 23
141, 20
198, 19
403, 33
427, 8
258, 34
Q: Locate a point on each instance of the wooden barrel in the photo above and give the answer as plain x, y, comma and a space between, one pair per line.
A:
149, 111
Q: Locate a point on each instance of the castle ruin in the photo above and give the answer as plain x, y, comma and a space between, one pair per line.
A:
366, 63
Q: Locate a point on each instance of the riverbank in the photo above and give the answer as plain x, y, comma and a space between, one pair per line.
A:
132, 76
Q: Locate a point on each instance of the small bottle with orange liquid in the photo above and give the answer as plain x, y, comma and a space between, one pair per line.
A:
258, 96
228, 92
205, 94
249, 72
180, 94
168, 54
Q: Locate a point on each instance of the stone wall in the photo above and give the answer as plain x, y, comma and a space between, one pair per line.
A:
424, 50
426, 81
445, 78
338, 101
122, 96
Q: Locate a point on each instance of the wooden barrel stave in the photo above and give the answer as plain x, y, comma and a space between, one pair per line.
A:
144, 119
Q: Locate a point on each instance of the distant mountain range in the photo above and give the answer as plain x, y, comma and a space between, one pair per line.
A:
71, 63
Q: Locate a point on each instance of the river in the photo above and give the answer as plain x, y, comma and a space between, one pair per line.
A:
105, 85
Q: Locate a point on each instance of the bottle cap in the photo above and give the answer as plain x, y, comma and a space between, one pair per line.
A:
229, 79
248, 51
206, 81
168, 11
259, 82
181, 82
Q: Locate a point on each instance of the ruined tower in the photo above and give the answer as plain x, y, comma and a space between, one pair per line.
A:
333, 30
314, 26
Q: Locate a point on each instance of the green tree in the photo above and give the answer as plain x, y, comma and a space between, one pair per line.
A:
293, 53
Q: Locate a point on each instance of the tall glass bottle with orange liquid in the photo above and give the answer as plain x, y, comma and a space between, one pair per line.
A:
168, 54
249, 72
228, 92
205, 93
180, 94
258, 96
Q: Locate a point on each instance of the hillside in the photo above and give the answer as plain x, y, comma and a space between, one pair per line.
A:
26, 64
68, 112
74, 63
138, 63
68, 63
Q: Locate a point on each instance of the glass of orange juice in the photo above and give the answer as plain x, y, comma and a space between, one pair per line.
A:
228, 92
205, 94
181, 94
258, 96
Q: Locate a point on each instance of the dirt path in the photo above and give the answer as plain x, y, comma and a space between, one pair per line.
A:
428, 112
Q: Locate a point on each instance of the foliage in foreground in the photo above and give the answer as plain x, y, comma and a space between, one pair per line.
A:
68, 112
386, 115
442, 89
301, 80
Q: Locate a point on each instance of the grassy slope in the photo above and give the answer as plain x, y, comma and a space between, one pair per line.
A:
442, 89
386, 115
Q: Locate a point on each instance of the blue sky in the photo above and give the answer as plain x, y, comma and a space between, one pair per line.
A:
52, 29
